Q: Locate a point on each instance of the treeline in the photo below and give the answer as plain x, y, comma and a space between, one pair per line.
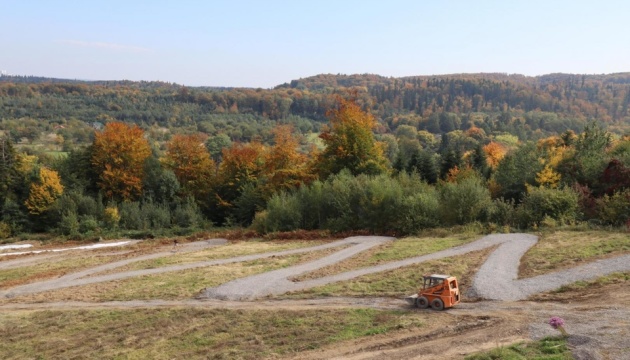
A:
528, 107
386, 183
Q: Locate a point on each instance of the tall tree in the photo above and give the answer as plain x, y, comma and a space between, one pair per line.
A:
189, 159
350, 143
119, 153
7, 168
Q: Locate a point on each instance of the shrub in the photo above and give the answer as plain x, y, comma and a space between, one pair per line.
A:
5, 230
187, 214
464, 202
283, 214
88, 224
111, 217
131, 218
156, 216
502, 212
69, 224
615, 209
560, 205
418, 212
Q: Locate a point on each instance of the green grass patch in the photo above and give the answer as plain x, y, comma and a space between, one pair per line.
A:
392, 251
49, 269
565, 249
174, 285
403, 281
614, 278
221, 252
188, 333
550, 348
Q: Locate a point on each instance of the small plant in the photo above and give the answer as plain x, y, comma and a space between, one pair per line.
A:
558, 324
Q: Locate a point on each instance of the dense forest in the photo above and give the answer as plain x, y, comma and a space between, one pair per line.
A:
336, 152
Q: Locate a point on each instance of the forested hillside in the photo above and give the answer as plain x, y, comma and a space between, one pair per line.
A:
529, 107
328, 152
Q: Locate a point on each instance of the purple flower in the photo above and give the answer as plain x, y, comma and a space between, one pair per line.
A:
556, 322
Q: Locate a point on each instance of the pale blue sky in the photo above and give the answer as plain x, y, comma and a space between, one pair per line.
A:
268, 42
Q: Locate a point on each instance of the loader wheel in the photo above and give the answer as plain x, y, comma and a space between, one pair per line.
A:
422, 302
437, 304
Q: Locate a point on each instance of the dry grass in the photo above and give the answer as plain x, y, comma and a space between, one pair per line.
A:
187, 333
396, 250
172, 285
403, 281
220, 252
54, 268
566, 249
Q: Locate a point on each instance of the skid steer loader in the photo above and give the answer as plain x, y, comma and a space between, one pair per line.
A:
438, 291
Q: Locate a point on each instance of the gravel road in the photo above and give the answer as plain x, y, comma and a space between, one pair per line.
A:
496, 280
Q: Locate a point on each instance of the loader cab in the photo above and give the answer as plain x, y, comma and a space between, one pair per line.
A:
438, 291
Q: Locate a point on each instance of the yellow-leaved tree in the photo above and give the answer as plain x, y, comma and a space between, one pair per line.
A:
44, 192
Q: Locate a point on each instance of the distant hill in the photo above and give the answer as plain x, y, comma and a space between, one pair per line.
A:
529, 107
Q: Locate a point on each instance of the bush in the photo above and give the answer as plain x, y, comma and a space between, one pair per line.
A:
69, 224
283, 213
465, 201
131, 218
502, 212
5, 230
187, 214
418, 212
560, 205
156, 216
615, 209
111, 217
88, 224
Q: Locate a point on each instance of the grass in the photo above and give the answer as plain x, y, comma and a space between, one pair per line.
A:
221, 252
403, 281
550, 348
614, 278
188, 333
174, 285
565, 249
396, 250
50, 268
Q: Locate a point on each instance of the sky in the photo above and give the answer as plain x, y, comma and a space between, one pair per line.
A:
264, 43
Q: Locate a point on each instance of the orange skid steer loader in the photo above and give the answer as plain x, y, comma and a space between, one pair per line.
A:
438, 291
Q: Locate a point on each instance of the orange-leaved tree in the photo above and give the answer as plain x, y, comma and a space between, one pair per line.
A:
350, 143
118, 156
190, 160
494, 152
44, 191
285, 167
241, 167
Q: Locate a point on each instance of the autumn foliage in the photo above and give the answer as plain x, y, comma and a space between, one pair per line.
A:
189, 159
350, 143
494, 152
118, 156
44, 192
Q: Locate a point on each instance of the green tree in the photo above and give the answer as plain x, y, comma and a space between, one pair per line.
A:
7, 168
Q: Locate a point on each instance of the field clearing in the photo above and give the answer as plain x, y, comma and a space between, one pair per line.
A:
189, 333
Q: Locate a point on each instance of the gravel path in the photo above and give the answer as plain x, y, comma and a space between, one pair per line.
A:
496, 279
